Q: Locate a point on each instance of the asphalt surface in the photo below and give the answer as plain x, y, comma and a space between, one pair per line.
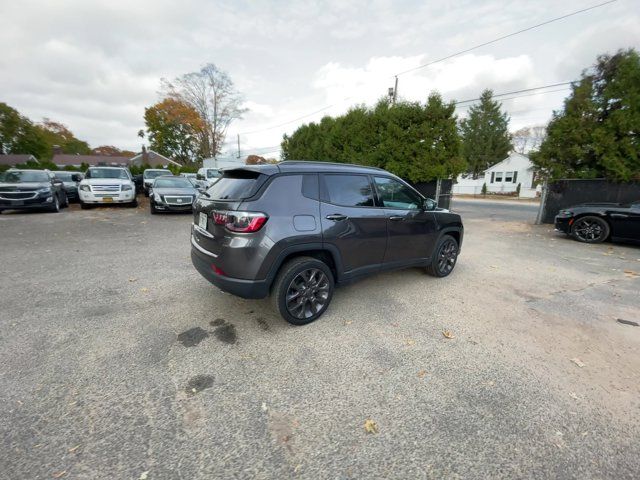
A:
120, 361
499, 210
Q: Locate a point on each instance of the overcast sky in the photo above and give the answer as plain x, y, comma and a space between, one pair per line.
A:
95, 65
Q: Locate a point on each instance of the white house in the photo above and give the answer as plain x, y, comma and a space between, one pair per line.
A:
503, 177
222, 162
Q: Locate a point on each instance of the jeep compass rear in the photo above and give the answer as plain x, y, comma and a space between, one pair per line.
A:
296, 229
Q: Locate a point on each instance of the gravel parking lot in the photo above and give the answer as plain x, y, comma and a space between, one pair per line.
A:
120, 361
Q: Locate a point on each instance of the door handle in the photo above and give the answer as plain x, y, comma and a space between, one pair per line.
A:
396, 219
336, 217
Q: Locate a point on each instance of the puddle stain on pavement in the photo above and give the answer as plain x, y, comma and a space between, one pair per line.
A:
192, 337
198, 383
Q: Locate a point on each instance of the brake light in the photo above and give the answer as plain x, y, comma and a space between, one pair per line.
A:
218, 271
240, 222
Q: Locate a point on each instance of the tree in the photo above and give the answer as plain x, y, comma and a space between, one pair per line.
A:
111, 151
529, 139
174, 129
485, 135
418, 142
597, 134
57, 134
19, 135
212, 94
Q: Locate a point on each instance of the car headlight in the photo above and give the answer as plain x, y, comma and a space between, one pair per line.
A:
126, 188
44, 190
565, 213
156, 198
85, 188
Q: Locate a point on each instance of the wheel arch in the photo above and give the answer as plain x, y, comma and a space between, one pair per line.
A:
325, 253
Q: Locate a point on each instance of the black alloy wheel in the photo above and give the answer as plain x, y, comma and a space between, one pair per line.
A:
590, 230
445, 258
303, 290
307, 294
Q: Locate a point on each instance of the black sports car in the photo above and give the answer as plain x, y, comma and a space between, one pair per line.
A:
597, 222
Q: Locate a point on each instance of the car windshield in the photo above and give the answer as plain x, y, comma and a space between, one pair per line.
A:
64, 176
23, 177
172, 182
213, 173
155, 173
120, 173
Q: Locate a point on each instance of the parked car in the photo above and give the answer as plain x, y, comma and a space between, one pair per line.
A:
175, 194
106, 185
70, 180
31, 189
208, 175
297, 229
149, 175
597, 222
193, 178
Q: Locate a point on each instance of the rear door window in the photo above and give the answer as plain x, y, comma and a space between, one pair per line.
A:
236, 185
348, 190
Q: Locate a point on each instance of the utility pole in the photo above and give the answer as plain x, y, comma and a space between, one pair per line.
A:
395, 91
238, 145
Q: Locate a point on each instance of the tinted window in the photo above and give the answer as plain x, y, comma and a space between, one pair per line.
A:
394, 194
349, 190
172, 182
236, 185
119, 173
64, 176
155, 173
213, 173
310, 186
23, 176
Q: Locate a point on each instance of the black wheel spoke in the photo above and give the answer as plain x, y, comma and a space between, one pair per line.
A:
308, 293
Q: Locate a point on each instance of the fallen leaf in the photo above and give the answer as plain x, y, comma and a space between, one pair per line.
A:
71, 450
573, 395
422, 373
447, 334
578, 362
408, 342
144, 290
370, 426
60, 474
144, 475
133, 279
348, 322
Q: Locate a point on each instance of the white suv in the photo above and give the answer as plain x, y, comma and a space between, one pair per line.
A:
209, 175
107, 185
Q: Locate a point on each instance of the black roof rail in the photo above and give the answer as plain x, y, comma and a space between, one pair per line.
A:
319, 162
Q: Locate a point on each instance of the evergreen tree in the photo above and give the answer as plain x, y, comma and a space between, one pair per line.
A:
485, 135
418, 142
597, 134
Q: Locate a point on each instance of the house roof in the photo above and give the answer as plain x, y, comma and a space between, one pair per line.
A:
15, 159
511, 155
153, 158
66, 159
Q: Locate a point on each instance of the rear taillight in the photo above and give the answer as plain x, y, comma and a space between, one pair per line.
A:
240, 222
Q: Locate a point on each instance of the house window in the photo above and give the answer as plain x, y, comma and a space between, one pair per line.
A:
498, 177
508, 177
515, 177
493, 176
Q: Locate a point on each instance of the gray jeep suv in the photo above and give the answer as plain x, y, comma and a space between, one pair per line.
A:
296, 229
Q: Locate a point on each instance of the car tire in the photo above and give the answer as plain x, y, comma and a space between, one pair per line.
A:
590, 229
84, 206
146, 192
65, 204
133, 204
55, 208
316, 278
152, 208
445, 257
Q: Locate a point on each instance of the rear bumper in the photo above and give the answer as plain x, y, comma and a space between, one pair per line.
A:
563, 224
204, 262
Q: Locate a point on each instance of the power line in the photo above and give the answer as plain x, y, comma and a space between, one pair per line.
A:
520, 91
475, 47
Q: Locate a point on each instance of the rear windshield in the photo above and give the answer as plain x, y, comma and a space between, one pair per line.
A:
172, 182
236, 185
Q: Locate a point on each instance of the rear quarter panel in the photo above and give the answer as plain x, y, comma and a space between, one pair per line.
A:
294, 220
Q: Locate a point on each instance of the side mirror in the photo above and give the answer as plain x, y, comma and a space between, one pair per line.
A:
76, 178
430, 204
199, 176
